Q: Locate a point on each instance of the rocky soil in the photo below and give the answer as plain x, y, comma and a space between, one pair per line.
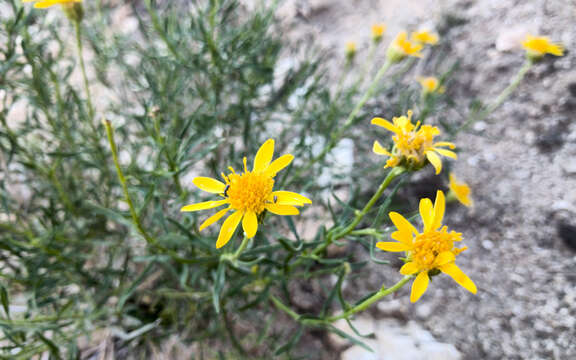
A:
520, 163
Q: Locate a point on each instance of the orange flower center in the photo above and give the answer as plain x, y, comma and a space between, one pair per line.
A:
428, 245
249, 191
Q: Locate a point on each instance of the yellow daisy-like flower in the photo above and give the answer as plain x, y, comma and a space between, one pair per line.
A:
413, 144
428, 252
430, 85
401, 47
378, 32
424, 37
460, 190
538, 46
42, 4
248, 195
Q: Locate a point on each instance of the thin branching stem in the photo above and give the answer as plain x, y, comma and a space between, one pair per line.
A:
135, 218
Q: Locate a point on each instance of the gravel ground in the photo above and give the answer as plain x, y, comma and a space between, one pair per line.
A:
520, 163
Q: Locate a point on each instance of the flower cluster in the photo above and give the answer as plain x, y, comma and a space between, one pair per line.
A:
413, 144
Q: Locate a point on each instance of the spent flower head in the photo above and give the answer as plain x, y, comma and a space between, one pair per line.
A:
401, 47
248, 195
538, 46
430, 85
459, 190
424, 37
413, 144
428, 252
378, 32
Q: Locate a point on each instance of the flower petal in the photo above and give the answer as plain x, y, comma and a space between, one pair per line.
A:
212, 219
282, 209
434, 160
204, 205
439, 206
385, 124
250, 224
279, 164
458, 275
448, 153
228, 228
444, 257
290, 198
379, 149
426, 213
445, 143
264, 156
419, 286
209, 185
392, 246
402, 236
401, 223
409, 268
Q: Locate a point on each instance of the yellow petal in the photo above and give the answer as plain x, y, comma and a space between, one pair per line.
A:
555, 49
426, 213
212, 219
392, 246
445, 143
385, 124
204, 205
209, 185
401, 223
444, 257
419, 286
434, 160
379, 149
250, 224
458, 275
448, 153
279, 164
264, 156
402, 236
228, 228
409, 269
290, 198
439, 206
282, 209
44, 4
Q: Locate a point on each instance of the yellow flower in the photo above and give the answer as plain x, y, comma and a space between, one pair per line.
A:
378, 32
424, 37
413, 144
248, 195
41, 4
430, 85
538, 46
430, 251
460, 190
402, 47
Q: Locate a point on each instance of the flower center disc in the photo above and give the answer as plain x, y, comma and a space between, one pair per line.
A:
249, 191
428, 245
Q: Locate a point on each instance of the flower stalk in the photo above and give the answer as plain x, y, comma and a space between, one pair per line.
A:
135, 219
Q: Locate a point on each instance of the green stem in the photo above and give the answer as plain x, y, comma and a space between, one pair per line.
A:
346, 314
481, 115
336, 136
240, 249
83, 68
360, 215
371, 300
135, 218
